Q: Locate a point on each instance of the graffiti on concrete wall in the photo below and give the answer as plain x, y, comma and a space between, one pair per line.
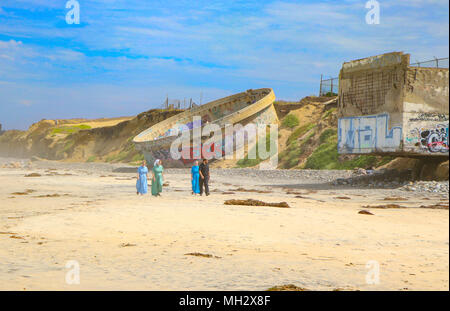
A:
364, 134
424, 116
432, 140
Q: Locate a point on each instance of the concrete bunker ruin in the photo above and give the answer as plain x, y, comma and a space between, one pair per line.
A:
387, 106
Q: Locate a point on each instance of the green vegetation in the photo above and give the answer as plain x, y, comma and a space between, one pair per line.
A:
326, 135
127, 154
299, 132
91, 159
330, 94
328, 113
137, 157
290, 157
290, 121
69, 144
117, 157
246, 162
70, 129
326, 156
385, 160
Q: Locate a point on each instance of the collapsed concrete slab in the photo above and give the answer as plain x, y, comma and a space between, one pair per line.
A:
388, 107
250, 107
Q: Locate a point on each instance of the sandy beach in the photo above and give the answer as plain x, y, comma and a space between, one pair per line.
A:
90, 213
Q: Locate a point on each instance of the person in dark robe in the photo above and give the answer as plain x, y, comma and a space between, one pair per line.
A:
204, 177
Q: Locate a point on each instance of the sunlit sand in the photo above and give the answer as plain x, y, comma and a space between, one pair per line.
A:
128, 242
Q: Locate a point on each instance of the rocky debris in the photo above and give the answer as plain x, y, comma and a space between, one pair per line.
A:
306, 191
251, 202
342, 198
364, 212
442, 205
392, 179
25, 164
313, 176
17, 237
17, 165
427, 186
383, 178
12, 165
288, 287
125, 169
340, 289
53, 173
33, 175
302, 197
126, 245
395, 199
294, 192
385, 206
202, 255
361, 171
55, 195
26, 192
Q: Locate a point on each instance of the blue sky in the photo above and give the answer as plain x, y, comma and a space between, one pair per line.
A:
127, 55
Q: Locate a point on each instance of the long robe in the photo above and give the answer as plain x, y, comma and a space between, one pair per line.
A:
195, 179
157, 181
141, 183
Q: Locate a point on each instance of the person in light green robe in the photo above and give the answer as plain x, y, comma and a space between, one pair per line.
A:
157, 178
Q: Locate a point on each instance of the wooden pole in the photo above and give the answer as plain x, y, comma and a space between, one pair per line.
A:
320, 90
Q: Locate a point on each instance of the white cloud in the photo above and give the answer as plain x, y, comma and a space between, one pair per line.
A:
147, 31
11, 44
64, 55
25, 102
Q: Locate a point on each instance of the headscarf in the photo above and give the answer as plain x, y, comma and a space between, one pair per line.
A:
156, 162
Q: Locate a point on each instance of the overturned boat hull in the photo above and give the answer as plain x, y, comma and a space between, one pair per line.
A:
252, 106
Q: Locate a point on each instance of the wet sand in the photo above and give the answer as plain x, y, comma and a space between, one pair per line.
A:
91, 214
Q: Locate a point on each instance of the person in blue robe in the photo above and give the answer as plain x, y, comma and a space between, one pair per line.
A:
141, 183
195, 177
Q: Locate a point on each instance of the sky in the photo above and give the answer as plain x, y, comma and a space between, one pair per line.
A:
126, 56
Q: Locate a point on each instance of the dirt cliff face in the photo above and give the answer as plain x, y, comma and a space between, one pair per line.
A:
71, 140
